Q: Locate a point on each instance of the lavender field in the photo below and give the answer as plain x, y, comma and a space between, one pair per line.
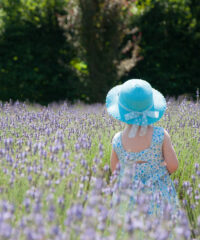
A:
56, 182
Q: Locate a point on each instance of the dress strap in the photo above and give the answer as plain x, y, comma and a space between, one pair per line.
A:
115, 142
158, 136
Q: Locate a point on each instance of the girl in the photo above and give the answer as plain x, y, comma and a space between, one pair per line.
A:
143, 145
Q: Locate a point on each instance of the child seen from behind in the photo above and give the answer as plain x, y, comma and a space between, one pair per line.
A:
141, 144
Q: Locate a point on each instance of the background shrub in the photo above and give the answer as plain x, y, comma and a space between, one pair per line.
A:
76, 49
35, 55
169, 45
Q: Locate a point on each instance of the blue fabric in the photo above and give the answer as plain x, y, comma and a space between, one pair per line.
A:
152, 174
133, 96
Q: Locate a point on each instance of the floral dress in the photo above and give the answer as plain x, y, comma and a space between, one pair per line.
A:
152, 176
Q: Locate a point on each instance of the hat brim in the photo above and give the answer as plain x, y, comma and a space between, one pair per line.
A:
114, 109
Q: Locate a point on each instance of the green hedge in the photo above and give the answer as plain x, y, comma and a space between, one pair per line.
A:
38, 62
35, 55
169, 45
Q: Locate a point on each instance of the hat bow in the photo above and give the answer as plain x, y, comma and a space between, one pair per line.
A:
144, 114
143, 122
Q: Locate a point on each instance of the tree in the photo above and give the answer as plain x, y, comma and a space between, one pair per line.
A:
103, 38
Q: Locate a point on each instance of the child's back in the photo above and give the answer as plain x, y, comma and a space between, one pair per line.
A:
145, 150
146, 153
154, 148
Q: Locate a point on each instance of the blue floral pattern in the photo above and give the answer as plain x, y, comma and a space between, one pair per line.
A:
153, 174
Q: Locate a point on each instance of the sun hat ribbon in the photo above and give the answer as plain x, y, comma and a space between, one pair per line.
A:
143, 122
134, 114
144, 115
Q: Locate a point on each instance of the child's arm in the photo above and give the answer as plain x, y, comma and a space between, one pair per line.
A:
113, 160
169, 154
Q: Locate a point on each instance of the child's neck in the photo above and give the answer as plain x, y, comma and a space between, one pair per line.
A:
128, 128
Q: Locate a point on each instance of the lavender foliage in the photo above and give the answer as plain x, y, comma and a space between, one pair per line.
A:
56, 181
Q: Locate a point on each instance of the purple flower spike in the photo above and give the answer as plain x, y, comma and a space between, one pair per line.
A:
5, 230
106, 167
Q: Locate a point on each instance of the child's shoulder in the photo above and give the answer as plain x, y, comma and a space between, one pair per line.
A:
158, 134
116, 136
115, 141
159, 129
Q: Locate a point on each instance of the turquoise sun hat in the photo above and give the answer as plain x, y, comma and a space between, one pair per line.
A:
136, 102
